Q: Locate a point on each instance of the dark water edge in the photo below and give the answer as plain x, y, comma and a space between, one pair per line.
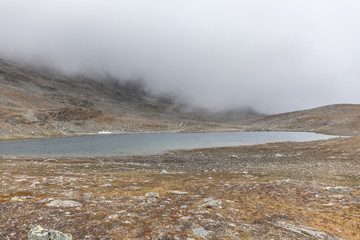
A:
143, 144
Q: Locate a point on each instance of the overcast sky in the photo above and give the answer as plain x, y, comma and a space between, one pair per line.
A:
275, 56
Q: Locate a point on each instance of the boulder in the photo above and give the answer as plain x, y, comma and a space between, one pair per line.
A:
39, 233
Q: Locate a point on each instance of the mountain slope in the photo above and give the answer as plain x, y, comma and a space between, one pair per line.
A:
36, 103
338, 119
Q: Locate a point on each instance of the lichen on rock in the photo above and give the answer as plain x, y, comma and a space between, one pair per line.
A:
40, 233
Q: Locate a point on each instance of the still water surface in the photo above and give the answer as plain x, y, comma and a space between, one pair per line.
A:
141, 144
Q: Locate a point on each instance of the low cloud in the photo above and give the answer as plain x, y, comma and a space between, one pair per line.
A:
274, 56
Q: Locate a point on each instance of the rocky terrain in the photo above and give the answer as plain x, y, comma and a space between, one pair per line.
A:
306, 190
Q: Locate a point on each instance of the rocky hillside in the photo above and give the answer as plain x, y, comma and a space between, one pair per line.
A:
36, 103
340, 119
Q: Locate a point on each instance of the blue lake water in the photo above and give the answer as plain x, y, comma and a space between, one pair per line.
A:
142, 144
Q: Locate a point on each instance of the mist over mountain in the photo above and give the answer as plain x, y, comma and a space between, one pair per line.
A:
274, 56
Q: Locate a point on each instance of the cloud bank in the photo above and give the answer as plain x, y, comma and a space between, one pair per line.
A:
274, 56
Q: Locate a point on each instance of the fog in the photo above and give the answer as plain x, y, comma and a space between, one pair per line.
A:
274, 56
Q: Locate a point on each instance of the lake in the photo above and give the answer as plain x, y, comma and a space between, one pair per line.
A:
142, 144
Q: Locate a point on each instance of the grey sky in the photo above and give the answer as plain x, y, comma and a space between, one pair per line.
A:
275, 56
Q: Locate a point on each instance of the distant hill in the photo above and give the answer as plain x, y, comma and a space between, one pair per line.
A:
338, 119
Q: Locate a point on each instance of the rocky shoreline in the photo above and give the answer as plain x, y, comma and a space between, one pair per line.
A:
305, 190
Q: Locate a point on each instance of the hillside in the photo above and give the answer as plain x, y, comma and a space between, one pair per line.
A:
37, 103
339, 119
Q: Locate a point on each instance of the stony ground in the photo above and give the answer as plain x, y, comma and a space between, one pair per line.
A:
272, 191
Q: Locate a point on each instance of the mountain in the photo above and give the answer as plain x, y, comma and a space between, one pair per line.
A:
39, 103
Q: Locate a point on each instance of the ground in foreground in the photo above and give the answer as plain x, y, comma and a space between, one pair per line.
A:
271, 191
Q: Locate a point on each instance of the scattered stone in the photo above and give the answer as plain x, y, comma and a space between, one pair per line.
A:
211, 203
152, 200
175, 192
39, 233
64, 203
164, 172
201, 232
305, 231
185, 218
290, 181
50, 160
46, 200
342, 190
17, 199
132, 188
106, 185
113, 216
338, 196
69, 194
88, 195
33, 185
139, 198
152, 195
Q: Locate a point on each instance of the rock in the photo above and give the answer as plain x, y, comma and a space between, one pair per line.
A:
152, 195
132, 188
39, 233
164, 172
175, 192
201, 232
69, 194
17, 199
305, 231
64, 203
211, 203
342, 190
139, 198
33, 185
290, 181
50, 160
88, 195
152, 200
234, 156
113, 216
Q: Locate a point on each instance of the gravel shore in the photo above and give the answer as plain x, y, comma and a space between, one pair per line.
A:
306, 190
